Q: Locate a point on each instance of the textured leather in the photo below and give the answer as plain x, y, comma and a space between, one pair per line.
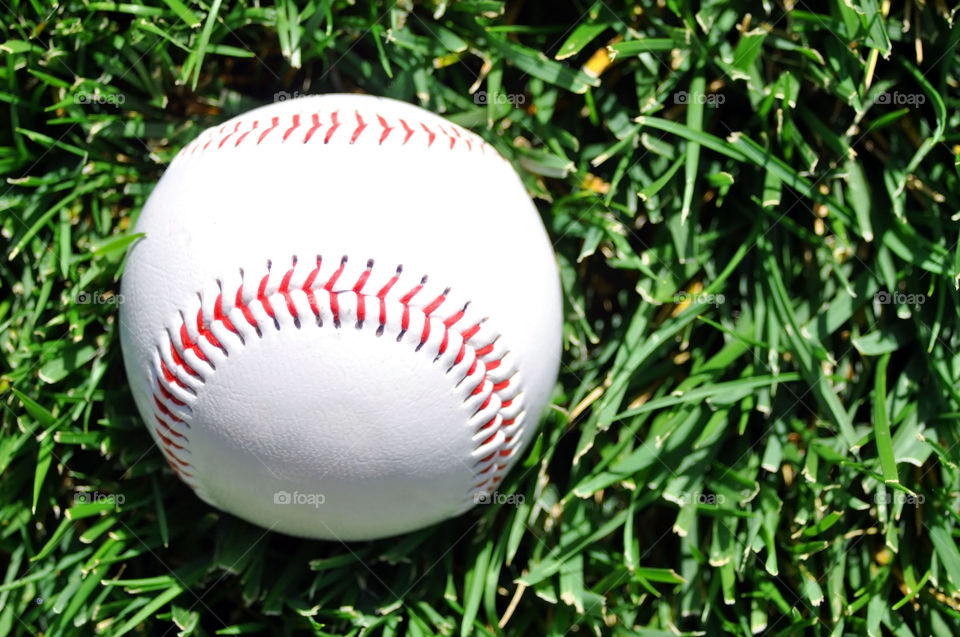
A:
345, 299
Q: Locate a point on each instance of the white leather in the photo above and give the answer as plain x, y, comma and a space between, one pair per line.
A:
377, 429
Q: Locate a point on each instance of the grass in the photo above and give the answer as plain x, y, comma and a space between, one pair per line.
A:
755, 211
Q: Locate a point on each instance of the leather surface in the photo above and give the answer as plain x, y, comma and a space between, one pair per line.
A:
383, 432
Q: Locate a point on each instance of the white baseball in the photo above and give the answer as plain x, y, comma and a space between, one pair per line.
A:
344, 318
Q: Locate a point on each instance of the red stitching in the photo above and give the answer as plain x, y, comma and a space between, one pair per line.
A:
427, 311
437, 302
168, 442
485, 350
425, 334
168, 396
262, 296
296, 123
273, 124
360, 126
429, 132
386, 128
178, 459
171, 429
334, 301
334, 125
449, 136
285, 292
315, 120
408, 130
488, 470
382, 294
218, 314
165, 410
190, 345
308, 289
219, 137
252, 128
244, 308
470, 332
405, 301
224, 140
449, 322
412, 293
179, 362
207, 334
358, 290
485, 404
167, 432
443, 344
170, 376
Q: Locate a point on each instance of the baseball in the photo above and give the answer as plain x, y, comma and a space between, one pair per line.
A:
343, 320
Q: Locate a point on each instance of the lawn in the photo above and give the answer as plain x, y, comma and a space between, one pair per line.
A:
754, 205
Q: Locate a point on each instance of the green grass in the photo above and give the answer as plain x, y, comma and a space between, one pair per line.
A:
756, 215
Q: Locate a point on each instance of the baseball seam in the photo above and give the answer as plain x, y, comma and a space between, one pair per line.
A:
335, 126
183, 360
